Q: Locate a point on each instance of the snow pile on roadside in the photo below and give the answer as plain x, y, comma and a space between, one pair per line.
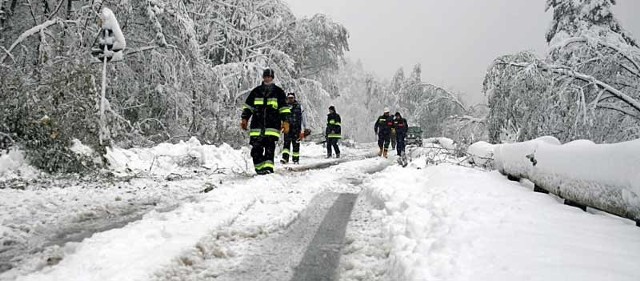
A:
445, 143
481, 153
606, 176
453, 223
167, 158
14, 165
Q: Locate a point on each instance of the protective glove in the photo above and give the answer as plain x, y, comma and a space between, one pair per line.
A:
244, 124
301, 136
285, 127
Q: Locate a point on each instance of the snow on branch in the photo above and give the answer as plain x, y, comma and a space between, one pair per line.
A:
588, 40
34, 30
583, 77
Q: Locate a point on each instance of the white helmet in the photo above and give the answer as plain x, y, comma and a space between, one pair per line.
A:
386, 109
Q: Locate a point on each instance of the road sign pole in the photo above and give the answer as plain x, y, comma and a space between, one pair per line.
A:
103, 119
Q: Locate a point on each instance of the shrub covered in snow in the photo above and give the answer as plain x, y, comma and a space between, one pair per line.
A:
14, 165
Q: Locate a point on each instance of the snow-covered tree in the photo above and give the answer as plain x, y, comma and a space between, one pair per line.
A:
186, 67
587, 87
572, 17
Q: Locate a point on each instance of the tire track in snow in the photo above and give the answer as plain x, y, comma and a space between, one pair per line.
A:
257, 250
323, 253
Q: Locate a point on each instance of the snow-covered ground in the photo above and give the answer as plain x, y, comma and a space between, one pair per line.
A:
448, 222
194, 212
52, 214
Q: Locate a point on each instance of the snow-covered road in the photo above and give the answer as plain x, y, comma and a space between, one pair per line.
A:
437, 222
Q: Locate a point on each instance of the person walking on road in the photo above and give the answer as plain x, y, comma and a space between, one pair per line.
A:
393, 138
268, 110
401, 127
333, 132
297, 125
383, 127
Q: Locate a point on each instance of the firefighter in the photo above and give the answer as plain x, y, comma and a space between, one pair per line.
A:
383, 127
333, 132
267, 108
296, 131
401, 127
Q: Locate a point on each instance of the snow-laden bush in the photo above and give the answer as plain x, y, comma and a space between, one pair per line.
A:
13, 164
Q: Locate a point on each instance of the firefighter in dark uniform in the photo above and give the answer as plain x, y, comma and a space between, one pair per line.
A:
296, 131
401, 127
333, 132
383, 127
267, 108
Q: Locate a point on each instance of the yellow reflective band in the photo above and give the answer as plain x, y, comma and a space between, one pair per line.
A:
264, 165
285, 110
286, 151
258, 102
337, 124
255, 132
273, 103
296, 154
335, 136
272, 132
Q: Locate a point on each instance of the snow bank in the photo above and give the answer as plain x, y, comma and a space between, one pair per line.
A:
447, 222
604, 176
169, 158
14, 165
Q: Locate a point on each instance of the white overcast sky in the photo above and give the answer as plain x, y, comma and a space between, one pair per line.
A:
454, 40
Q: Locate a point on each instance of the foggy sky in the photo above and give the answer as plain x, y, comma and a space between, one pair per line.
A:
454, 40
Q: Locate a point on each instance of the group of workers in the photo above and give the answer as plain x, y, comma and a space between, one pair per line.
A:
268, 112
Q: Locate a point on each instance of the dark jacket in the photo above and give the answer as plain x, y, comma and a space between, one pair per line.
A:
334, 126
383, 125
296, 119
401, 126
267, 107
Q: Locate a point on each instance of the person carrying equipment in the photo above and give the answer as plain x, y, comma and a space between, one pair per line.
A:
296, 131
383, 127
267, 108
